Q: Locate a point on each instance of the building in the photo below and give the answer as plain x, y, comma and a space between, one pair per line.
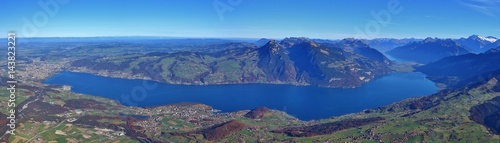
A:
66, 87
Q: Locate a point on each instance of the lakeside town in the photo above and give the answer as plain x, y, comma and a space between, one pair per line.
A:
158, 120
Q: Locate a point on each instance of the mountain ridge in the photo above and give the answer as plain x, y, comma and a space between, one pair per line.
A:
292, 60
428, 50
470, 66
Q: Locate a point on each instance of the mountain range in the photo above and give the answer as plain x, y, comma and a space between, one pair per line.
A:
300, 61
428, 50
386, 44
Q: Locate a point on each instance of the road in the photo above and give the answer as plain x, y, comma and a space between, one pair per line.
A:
25, 105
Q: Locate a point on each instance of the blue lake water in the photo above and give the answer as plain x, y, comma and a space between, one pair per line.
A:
303, 102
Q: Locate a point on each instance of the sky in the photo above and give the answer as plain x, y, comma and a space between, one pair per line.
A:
325, 19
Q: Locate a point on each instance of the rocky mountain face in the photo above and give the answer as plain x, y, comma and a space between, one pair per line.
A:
428, 50
359, 47
348, 63
274, 61
488, 114
479, 44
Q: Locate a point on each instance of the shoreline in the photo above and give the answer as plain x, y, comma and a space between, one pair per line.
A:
117, 100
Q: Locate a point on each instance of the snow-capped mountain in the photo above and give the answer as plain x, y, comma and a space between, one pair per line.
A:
479, 44
489, 39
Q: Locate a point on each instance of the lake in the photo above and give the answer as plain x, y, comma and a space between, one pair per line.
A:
303, 102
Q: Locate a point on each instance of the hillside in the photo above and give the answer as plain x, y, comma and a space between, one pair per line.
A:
299, 61
452, 70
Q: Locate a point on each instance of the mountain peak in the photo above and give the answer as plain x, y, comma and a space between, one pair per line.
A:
272, 42
271, 46
430, 39
353, 43
473, 36
446, 41
295, 39
262, 41
351, 40
490, 39
291, 41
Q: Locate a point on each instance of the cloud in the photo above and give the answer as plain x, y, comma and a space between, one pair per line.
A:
487, 7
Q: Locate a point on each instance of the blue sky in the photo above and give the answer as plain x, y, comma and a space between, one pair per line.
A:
327, 19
